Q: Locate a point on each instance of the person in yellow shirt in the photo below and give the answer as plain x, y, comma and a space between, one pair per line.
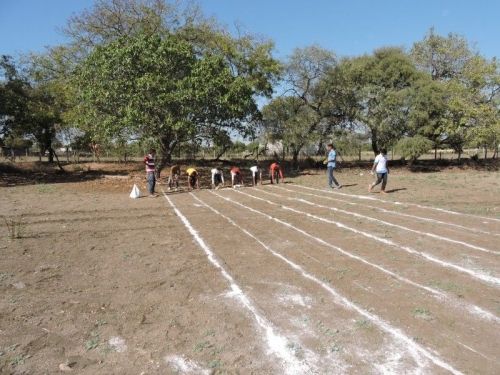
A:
193, 178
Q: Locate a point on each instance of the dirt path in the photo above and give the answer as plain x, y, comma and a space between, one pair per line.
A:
268, 280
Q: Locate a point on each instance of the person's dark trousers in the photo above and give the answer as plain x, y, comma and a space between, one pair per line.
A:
331, 177
381, 177
151, 182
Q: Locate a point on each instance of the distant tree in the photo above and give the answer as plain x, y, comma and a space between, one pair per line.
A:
382, 83
413, 147
160, 87
289, 120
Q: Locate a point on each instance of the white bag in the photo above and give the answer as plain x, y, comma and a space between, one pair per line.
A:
135, 193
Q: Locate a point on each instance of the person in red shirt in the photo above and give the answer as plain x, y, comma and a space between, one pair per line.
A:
236, 176
275, 173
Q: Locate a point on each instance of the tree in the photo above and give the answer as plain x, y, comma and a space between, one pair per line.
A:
31, 108
158, 86
443, 58
289, 120
466, 109
14, 91
382, 83
413, 147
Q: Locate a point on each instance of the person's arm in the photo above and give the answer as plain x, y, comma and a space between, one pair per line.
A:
375, 162
213, 179
281, 174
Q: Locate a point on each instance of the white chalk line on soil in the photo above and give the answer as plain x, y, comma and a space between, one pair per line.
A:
379, 221
392, 212
439, 295
277, 344
415, 349
185, 366
478, 275
365, 197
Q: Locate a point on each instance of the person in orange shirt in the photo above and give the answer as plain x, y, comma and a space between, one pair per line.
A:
275, 173
236, 176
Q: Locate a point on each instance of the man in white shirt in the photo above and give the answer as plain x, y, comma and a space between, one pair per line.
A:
382, 170
256, 174
217, 178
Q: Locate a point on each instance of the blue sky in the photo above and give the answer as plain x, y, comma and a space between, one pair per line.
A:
347, 27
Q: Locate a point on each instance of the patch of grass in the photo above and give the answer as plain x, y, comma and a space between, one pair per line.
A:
448, 286
16, 227
335, 348
199, 347
44, 188
93, 342
362, 323
342, 272
209, 332
216, 363
19, 360
295, 349
100, 322
422, 313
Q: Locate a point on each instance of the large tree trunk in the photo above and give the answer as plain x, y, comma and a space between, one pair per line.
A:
52, 153
219, 155
167, 146
295, 158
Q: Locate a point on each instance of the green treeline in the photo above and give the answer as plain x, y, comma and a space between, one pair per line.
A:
150, 73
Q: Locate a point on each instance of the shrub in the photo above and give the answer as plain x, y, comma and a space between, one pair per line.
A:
412, 148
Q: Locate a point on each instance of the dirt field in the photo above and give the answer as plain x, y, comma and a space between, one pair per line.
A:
278, 279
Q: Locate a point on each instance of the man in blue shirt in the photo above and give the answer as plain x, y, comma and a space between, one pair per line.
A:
331, 163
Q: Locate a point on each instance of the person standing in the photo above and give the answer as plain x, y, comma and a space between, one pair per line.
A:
149, 161
382, 170
331, 163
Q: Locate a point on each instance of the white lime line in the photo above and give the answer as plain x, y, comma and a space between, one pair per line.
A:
379, 221
365, 197
478, 275
277, 344
439, 295
415, 349
427, 219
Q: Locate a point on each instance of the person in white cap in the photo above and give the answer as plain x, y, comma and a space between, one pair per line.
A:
217, 178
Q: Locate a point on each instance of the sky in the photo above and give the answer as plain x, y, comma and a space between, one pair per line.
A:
348, 27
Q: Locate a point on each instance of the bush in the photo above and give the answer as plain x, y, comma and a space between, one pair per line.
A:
413, 147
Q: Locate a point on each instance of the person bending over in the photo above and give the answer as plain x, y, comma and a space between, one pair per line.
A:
217, 178
276, 173
236, 176
256, 174
193, 178
173, 177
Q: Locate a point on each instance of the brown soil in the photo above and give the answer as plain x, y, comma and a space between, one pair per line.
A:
105, 284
